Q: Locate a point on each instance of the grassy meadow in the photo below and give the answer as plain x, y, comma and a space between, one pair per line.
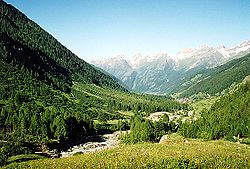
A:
175, 152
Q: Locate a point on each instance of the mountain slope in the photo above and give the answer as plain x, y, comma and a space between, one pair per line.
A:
19, 28
200, 58
118, 67
237, 51
218, 79
154, 74
228, 117
37, 75
142, 73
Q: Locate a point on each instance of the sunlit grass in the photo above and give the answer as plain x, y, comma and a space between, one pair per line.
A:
24, 157
112, 121
127, 113
175, 152
108, 122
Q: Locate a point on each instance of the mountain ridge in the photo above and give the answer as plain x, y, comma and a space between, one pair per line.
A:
184, 53
159, 73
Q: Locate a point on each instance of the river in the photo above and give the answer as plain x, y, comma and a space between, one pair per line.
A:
106, 141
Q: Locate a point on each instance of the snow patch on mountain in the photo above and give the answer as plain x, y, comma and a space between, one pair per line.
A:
137, 60
242, 47
159, 72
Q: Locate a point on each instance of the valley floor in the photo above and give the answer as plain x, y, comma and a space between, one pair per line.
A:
174, 152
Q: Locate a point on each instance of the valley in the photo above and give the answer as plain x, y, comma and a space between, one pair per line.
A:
191, 110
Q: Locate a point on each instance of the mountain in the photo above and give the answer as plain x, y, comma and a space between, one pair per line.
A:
216, 80
38, 102
141, 73
161, 73
237, 51
154, 66
137, 61
17, 28
118, 67
199, 58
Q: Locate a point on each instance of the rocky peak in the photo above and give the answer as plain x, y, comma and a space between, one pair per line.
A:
137, 60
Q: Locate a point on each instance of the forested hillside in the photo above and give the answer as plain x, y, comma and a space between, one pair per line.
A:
37, 74
228, 117
21, 33
218, 79
34, 111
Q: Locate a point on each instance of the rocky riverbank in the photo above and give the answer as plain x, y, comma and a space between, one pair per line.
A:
106, 141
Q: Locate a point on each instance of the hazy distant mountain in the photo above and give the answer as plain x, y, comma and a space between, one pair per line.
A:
161, 73
141, 73
154, 73
118, 67
137, 61
237, 51
203, 57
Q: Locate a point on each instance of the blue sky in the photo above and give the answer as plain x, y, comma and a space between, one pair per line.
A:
97, 29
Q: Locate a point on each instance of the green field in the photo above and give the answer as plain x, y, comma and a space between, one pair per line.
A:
176, 152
